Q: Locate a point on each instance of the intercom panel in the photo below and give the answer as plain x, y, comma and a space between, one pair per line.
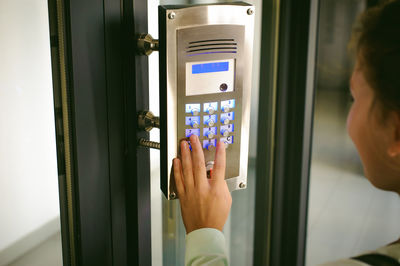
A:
205, 84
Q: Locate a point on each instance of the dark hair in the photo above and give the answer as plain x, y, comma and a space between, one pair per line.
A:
376, 39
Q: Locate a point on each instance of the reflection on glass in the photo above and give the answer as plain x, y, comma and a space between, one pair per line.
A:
29, 202
343, 204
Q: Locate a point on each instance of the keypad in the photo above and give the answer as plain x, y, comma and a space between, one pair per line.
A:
211, 122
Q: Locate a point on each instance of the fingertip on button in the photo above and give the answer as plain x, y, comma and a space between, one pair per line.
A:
193, 138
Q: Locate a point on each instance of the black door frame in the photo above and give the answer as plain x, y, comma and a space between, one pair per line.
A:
283, 172
99, 86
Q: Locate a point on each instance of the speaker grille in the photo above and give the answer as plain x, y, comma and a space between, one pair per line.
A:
211, 46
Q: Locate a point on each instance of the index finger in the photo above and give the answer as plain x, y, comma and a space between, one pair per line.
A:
219, 162
187, 170
199, 166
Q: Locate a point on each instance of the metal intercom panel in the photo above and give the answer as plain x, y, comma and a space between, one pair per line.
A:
205, 83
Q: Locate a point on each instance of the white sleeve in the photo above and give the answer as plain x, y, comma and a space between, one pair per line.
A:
205, 246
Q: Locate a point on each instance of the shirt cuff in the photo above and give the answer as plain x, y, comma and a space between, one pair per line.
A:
204, 242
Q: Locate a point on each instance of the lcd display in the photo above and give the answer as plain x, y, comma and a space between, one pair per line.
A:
210, 67
206, 77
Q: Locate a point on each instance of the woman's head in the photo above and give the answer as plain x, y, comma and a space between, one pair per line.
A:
374, 119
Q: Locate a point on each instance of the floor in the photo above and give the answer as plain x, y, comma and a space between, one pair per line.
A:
347, 215
49, 253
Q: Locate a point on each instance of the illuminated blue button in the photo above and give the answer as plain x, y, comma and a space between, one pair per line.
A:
210, 120
227, 141
209, 132
225, 120
210, 108
190, 132
209, 144
230, 116
193, 108
226, 129
227, 117
227, 105
193, 121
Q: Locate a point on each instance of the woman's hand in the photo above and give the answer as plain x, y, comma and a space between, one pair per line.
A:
204, 202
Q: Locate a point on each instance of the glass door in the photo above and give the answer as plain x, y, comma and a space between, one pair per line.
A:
168, 232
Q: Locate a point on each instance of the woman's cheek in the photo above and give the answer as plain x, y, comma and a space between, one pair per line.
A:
349, 123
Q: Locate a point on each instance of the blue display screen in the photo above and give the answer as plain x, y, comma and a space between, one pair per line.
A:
210, 67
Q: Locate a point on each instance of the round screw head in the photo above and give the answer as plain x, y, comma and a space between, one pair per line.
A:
171, 15
242, 185
172, 195
250, 11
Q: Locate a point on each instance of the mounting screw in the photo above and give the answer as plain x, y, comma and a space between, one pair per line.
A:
171, 15
250, 11
242, 185
172, 195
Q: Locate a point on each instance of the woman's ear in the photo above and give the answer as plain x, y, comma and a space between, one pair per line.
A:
394, 145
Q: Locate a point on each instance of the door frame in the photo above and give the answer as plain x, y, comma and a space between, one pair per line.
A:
284, 154
99, 85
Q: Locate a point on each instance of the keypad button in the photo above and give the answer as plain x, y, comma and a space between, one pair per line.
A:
209, 144
225, 108
230, 116
193, 121
230, 103
224, 132
192, 108
210, 120
195, 111
210, 108
194, 124
226, 129
210, 132
225, 120
228, 141
190, 132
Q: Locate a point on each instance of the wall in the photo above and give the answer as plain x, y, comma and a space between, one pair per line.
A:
28, 169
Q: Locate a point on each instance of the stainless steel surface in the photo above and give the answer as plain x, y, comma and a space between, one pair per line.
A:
146, 44
147, 121
218, 16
